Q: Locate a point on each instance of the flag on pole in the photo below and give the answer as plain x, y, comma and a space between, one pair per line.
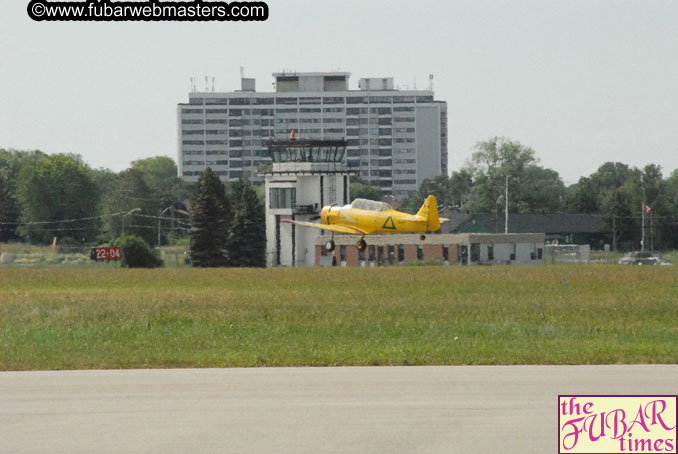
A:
647, 209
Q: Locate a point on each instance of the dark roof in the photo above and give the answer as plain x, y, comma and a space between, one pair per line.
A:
532, 223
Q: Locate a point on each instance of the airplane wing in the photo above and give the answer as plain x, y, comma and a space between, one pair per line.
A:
331, 227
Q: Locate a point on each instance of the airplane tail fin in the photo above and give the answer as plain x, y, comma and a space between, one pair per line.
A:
429, 211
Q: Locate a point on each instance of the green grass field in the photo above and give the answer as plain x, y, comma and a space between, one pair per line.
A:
120, 318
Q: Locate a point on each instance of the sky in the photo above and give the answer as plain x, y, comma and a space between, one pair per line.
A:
580, 82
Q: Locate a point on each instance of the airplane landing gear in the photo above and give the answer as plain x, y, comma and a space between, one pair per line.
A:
329, 245
361, 245
422, 237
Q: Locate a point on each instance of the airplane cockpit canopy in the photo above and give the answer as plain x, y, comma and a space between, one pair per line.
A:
373, 205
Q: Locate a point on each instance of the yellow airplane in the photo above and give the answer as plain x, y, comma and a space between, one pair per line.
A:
365, 217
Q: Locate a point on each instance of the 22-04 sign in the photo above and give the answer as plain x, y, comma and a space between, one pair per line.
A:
105, 253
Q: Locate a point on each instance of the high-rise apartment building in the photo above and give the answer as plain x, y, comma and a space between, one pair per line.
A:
396, 138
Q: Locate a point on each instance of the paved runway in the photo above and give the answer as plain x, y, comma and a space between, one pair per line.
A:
292, 410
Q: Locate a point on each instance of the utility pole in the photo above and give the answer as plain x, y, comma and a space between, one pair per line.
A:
174, 235
506, 201
651, 239
642, 214
171, 208
127, 214
496, 214
614, 232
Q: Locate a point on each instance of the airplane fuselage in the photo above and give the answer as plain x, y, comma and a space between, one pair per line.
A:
389, 221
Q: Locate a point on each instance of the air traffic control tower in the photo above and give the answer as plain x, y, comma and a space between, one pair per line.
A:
306, 175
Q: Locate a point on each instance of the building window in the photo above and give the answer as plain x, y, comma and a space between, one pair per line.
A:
309, 100
490, 252
333, 100
475, 252
513, 251
356, 100
424, 98
240, 101
380, 99
286, 101
282, 197
390, 252
216, 101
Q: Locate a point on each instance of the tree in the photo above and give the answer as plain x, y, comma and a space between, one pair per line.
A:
541, 191
587, 195
129, 203
247, 238
670, 225
581, 197
210, 217
160, 175
361, 190
168, 190
461, 185
11, 162
500, 161
440, 186
157, 171
136, 253
58, 198
618, 192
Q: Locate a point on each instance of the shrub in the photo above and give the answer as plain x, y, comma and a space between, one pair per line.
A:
136, 253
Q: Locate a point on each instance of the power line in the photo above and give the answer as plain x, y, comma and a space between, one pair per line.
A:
64, 220
89, 219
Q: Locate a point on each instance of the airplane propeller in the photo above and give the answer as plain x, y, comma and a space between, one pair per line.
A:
315, 218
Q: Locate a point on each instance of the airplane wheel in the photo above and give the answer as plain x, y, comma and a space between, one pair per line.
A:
422, 237
329, 246
362, 245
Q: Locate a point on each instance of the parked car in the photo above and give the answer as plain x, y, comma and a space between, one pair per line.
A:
641, 258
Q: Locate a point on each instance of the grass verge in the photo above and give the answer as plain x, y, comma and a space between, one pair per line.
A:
120, 318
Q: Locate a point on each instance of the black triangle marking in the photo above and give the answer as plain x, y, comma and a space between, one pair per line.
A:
390, 226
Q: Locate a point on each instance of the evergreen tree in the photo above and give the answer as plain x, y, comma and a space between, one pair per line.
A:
247, 238
210, 218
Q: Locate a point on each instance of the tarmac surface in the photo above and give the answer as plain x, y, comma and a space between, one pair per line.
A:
304, 410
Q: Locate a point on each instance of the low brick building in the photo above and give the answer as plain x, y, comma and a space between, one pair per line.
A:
448, 249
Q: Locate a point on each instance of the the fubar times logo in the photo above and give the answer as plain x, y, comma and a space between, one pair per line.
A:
590, 424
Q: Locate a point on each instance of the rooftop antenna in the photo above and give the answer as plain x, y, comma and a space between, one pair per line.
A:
430, 82
192, 84
414, 78
212, 84
207, 86
242, 72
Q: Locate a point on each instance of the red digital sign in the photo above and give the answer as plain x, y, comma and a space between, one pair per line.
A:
106, 253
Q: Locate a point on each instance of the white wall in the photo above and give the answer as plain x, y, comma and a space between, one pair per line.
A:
307, 193
428, 142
